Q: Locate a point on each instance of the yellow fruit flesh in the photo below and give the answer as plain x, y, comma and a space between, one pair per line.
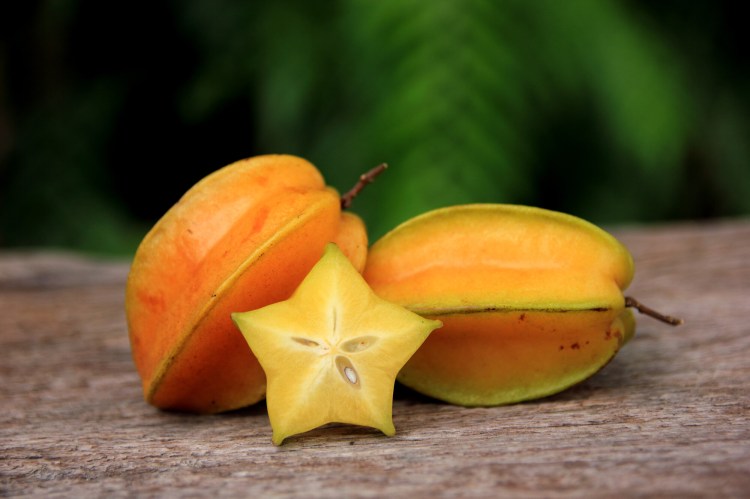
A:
332, 351
530, 299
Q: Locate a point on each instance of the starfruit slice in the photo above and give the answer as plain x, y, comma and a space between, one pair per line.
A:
332, 351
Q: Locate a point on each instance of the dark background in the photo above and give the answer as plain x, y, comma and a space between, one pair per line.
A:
621, 112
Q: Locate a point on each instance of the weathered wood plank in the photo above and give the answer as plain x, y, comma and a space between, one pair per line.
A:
668, 417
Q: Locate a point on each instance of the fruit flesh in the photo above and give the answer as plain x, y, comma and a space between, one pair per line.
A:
530, 299
332, 351
244, 236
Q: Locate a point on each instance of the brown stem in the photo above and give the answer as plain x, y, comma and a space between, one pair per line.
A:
364, 179
640, 307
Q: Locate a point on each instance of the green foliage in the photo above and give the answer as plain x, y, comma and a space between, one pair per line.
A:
615, 111
445, 109
59, 197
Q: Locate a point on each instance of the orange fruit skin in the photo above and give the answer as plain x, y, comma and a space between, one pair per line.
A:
485, 359
243, 237
531, 300
352, 240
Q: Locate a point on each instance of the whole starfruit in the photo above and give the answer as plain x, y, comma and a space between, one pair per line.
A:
240, 239
531, 300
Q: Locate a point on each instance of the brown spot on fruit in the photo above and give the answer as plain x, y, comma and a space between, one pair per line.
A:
522, 317
575, 346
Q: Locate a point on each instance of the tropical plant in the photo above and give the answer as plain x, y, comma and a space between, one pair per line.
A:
615, 111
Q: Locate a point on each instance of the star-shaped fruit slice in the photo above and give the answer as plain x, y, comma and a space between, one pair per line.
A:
332, 351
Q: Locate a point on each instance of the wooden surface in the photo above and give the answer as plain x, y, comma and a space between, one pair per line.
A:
668, 417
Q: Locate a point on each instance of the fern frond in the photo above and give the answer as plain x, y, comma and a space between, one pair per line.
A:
446, 105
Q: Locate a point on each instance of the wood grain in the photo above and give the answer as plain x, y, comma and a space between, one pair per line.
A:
668, 417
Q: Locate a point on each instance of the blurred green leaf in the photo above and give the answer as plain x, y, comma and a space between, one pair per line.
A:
614, 110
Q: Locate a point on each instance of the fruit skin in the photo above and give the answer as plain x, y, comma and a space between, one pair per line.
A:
332, 350
351, 239
241, 238
531, 300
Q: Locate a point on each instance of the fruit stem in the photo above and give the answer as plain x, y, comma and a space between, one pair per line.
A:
640, 307
364, 179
